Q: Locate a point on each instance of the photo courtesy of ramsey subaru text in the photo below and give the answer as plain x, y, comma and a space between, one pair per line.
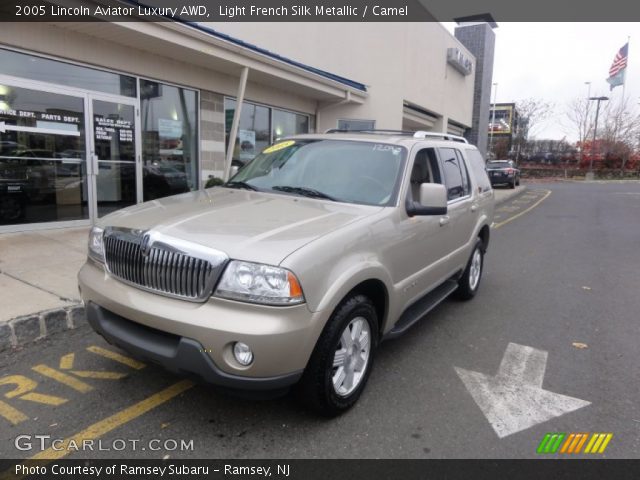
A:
293, 272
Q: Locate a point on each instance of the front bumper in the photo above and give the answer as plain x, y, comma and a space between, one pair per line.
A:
177, 354
198, 338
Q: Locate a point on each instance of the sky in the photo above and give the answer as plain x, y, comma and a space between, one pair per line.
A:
552, 61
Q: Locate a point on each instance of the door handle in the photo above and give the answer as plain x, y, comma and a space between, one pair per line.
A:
474, 207
95, 166
444, 220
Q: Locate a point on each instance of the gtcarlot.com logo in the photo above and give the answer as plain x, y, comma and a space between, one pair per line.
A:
45, 442
574, 443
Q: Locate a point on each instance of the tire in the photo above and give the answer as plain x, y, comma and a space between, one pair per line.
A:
518, 182
468, 284
512, 185
317, 389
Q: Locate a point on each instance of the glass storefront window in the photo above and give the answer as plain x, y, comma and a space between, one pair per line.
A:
254, 131
288, 123
42, 152
66, 74
169, 139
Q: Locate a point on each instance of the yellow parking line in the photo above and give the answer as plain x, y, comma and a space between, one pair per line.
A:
11, 414
100, 375
114, 421
498, 225
66, 362
117, 357
63, 378
44, 398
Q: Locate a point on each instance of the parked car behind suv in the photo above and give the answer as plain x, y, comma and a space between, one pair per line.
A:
295, 270
503, 172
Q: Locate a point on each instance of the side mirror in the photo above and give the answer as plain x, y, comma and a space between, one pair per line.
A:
433, 201
233, 171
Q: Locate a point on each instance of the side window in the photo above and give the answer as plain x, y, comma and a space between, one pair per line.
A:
478, 167
455, 174
419, 173
466, 183
434, 167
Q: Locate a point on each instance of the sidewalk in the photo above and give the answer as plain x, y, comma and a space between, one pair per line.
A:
503, 194
38, 283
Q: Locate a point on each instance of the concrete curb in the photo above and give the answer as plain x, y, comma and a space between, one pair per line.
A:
512, 194
22, 330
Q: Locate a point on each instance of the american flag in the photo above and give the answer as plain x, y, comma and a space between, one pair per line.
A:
620, 60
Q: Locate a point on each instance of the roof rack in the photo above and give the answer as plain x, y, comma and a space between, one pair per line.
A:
444, 136
369, 130
414, 134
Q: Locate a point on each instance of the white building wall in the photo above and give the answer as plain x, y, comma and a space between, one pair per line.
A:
397, 61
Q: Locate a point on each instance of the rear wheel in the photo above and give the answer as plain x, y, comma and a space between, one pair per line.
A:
470, 280
341, 361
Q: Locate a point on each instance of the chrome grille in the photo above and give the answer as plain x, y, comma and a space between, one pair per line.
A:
152, 262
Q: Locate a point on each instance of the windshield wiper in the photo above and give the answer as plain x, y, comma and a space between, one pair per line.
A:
240, 185
304, 191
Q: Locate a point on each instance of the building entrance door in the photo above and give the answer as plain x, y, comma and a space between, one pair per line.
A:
115, 161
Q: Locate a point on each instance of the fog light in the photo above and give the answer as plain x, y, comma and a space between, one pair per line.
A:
243, 353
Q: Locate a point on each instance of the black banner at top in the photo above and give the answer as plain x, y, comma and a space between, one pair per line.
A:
316, 10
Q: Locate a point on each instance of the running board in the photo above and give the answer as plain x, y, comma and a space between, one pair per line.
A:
419, 309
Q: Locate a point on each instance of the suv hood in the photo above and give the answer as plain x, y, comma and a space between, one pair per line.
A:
246, 225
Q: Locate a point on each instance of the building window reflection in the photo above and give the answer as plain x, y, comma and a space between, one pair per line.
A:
259, 127
169, 121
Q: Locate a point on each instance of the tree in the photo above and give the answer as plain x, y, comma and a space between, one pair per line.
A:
618, 130
531, 111
578, 120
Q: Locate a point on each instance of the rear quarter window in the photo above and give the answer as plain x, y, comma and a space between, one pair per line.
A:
476, 162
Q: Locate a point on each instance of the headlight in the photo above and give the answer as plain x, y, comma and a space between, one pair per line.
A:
96, 245
253, 282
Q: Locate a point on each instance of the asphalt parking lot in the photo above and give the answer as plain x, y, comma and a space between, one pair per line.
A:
549, 345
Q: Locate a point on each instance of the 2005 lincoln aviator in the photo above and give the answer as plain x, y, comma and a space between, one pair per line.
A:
292, 272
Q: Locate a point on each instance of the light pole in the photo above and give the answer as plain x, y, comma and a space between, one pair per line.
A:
493, 118
588, 84
595, 129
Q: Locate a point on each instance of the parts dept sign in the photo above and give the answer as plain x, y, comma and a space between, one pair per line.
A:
61, 117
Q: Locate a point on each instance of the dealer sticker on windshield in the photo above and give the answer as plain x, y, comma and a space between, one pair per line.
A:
278, 146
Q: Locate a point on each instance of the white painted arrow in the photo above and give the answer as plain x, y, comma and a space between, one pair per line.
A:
514, 399
44, 131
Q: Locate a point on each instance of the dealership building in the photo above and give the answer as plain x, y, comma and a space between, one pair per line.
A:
95, 117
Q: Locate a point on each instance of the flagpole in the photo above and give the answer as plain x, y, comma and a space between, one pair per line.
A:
624, 82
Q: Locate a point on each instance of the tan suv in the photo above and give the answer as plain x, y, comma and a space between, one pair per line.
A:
296, 269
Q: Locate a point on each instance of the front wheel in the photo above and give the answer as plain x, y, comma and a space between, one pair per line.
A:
341, 361
470, 280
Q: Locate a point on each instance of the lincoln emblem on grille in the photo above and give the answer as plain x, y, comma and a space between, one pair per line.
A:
144, 245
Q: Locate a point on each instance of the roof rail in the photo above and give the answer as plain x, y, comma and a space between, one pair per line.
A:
390, 132
414, 134
444, 136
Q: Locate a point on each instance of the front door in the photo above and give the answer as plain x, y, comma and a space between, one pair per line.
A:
114, 158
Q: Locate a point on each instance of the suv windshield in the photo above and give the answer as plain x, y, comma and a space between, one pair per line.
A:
339, 170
